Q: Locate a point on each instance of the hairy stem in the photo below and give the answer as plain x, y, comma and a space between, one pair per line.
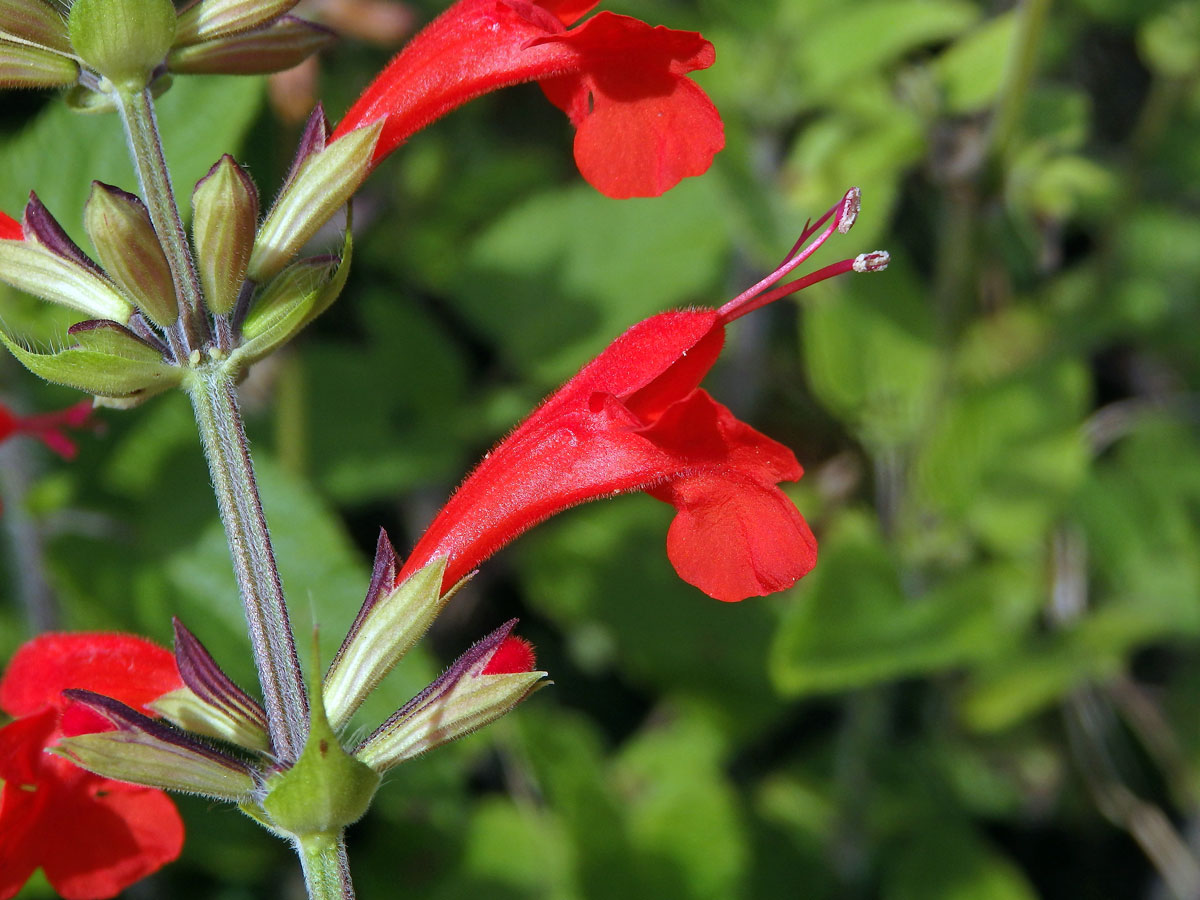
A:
223, 435
326, 871
145, 145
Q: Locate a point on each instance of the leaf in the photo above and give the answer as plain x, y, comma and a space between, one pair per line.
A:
948, 861
852, 625
971, 71
549, 262
872, 360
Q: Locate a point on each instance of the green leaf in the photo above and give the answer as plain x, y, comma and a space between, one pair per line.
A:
872, 356
549, 261
947, 861
842, 42
852, 625
971, 71
671, 776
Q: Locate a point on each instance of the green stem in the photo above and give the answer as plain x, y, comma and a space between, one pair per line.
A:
1022, 65
214, 399
326, 871
141, 129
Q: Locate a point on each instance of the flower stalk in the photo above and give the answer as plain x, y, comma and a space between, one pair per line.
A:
214, 400
326, 870
145, 145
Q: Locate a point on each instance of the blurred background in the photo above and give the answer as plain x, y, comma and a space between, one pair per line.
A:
987, 690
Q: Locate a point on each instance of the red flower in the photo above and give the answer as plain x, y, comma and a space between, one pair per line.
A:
47, 427
634, 419
642, 125
10, 228
92, 836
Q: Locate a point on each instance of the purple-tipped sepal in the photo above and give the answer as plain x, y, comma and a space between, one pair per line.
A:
390, 622
150, 752
210, 703
464, 698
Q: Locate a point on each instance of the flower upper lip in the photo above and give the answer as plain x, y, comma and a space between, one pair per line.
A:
642, 125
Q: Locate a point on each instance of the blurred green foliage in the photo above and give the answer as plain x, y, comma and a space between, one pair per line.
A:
987, 690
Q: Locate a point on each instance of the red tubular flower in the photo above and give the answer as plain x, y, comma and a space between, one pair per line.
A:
634, 419
47, 427
92, 836
642, 125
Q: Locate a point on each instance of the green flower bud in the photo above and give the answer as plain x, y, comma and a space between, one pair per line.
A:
39, 271
273, 48
294, 298
463, 698
392, 620
123, 40
211, 19
35, 21
318, 189
224, 217
120, 228
32, 67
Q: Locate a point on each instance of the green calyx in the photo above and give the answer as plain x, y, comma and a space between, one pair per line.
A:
123, 40
107, 361
327, 788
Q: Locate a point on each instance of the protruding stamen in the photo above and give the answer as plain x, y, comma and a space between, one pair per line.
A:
850, 206
768, 289
875, 261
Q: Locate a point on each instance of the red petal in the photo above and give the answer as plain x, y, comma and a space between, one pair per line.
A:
21, 757
92, 836
736, 535
10, 228
127, 668
642, 125
110, 836
653, 364
735, 539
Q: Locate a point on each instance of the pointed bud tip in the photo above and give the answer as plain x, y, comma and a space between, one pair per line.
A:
875, 261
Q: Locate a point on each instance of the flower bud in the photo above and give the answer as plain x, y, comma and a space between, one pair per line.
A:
391, 621
210, 19
120, 228
281, 45
123, 40
33, 67
36, 270
294, 298
467, 696
35, 21
319, 188
224, 217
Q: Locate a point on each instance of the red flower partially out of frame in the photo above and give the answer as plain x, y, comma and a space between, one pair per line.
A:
46, 427
634, 419
92, 836
641, 124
